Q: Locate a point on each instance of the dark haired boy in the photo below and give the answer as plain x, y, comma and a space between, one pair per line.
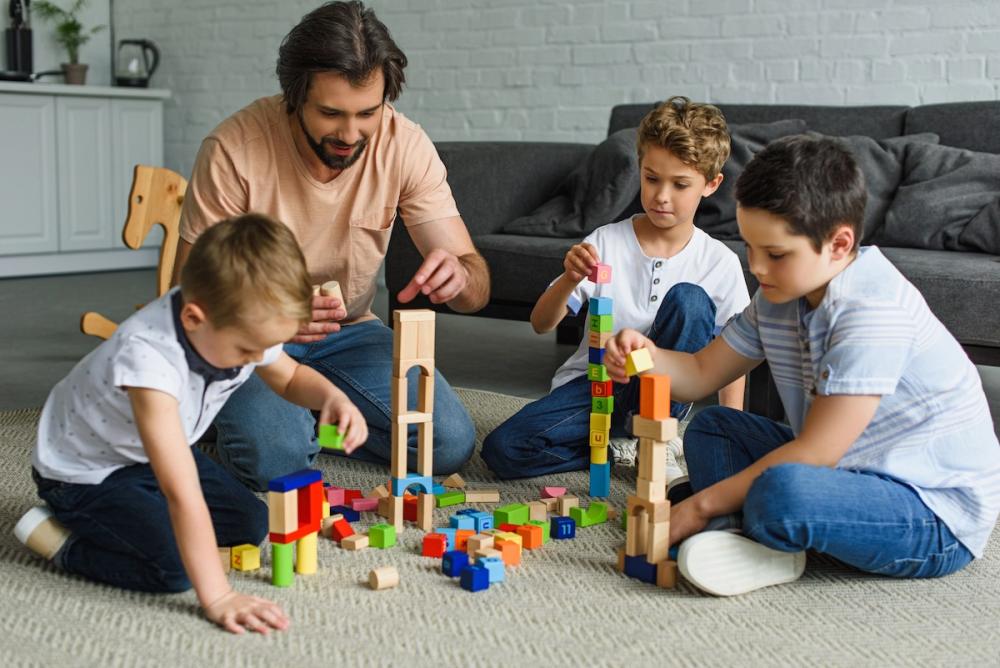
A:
334, 161
889, 462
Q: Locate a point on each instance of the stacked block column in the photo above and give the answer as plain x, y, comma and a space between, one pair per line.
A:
602, 400
295, 511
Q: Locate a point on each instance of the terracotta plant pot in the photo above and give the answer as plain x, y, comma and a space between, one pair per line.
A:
75, 73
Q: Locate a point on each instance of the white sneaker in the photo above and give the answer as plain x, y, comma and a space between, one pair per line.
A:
725, 564
675, 451
41, 532
623, 450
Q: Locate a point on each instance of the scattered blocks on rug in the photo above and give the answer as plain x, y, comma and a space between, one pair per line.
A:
385, 577
245, 557
596, 513
514, 513
450, 498
453, 561
435, 545
563, 528
382, 535
475, 578
354, 543
494, 566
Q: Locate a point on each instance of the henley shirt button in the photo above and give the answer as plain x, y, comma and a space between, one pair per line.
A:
653, 298
659, 263
826, 375
656, 281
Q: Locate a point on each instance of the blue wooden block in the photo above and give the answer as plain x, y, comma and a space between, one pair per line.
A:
453, 562
484, 521
467, 511
424, 484
595, 355
495, 567
462, 522
350, 514
600, 479
563, 528
297, 480
601, 305
439, 489
449, 533
672, 553
637, 567
475, 578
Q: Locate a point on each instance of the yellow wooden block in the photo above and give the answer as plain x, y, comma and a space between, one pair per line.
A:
600, 422
306, 562
246, 557
599, 455
598, 439
638, 361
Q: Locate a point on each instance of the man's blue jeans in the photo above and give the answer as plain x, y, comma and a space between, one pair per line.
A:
261, 436
869, 521
552, 434
121, 530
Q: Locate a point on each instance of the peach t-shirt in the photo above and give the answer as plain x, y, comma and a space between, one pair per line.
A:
249, 163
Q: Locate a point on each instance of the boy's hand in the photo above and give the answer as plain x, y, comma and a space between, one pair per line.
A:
580, 261
618, 348
685, 520
340, 411
237, 613
326, 311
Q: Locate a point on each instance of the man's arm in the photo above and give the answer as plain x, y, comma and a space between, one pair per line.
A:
453, 271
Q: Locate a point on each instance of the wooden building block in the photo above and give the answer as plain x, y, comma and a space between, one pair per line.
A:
425, 393
358, 541
306, 560
340, 530
601, 389
553, 492
601, 273
621, 560
226, 557
425, 511
488, 553
379, 492
434, 545
637, 361
551, 504
666, 574
385, 507
658, 542
332, 289
396, 512
566, 502
330, 437
478, 542
382, 536
482, 496
537, 511
600, 422
365, 505
514, 513
597, 373
636, 530
657, 511
245, 557
599, 438
604, 405
654, 396
600, 305
651, 490
598, 339
451, 498
385, 577
599, 455
657, 430
410, 508
454, 481
531, 536
282, 511
462, 537
652, 459
282, 564
334, 495
510, 552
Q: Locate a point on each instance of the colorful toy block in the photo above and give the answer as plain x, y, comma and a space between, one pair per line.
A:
454, 481
637, 567
295, 480
421, 483
462, 522
566, 502
382, 535
410, 508
351, 494
600, 305
435, 545
282, 564
330, 437
350, 514
552, 492
537, 511
482, 519
601, 273
482, 496
439, 489
598, 339
595, 355
545, 526
364, 505
596, 513
385, 577
453, 561
531, 536
666, 574
601, 323
494, 566
449, 535
597, 373
474, 578
637, 361
514, 513
654, 396
451, 498
479, 542
598, 455
563, 528
379, 492
306, 554
334, 495
340, 530
600, 422
600, 477
601, 389
488, 552
462, 537
354, 543
245, 557
226, 557
509, 551
602, 405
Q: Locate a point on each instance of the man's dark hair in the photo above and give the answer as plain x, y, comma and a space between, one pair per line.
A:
342, 37
813, 183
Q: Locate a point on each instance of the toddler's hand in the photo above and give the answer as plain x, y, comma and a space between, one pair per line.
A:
617, 349
341, 412
237, 613
579, 261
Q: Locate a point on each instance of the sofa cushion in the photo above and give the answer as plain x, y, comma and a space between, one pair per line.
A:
521, 267
595, 193
716, 214
946, 201
971, 125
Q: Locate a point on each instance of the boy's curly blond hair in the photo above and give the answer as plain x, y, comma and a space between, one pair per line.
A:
695, 132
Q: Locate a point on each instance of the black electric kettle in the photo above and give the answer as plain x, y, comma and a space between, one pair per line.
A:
133, 68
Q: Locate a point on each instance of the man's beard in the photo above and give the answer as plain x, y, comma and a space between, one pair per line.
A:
332, 161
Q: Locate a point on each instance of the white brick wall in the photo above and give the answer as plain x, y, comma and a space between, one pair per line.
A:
552, 70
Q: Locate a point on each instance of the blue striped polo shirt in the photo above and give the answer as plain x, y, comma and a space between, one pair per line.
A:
874, 334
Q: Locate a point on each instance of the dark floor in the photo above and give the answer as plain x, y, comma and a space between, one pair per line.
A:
41, 339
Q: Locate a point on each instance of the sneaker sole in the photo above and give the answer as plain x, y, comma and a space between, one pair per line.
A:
727, 564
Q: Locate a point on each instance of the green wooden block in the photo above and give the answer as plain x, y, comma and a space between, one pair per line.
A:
597, 373
545, 529
601, 323
382, 535
514, 513
624, 521
450, 498
605, 405
330, 437
282, 564
597, 513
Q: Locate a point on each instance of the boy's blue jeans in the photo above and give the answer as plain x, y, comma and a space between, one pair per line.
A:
121, 531
261, 436
869, 521
552, 434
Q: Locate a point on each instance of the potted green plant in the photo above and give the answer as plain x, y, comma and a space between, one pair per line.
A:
70, 33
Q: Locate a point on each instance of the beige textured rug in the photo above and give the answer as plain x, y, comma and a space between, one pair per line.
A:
565, 605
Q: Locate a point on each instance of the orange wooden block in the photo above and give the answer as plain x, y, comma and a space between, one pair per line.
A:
510, 552
654, 396
531, 536
462, 537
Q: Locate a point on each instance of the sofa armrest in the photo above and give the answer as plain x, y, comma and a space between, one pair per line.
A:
496, 182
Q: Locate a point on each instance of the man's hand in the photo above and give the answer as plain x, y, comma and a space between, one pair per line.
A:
580, 260
618, 348
326, 311
441, 277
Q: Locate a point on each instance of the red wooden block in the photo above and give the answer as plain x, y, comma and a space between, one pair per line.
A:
462, 537
508, 527
365, 505
311, 506
410, 508
654, 396
340, 530
351, 494
601, 389
435, 545
601, 273
531, 536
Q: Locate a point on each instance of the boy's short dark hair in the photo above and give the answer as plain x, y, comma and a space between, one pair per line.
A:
813, 183
342, 37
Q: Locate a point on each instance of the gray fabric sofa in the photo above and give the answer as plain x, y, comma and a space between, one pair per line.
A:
497, 182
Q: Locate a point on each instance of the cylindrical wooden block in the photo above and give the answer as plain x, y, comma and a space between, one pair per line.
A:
305, 558
282, 569
332, 289
385, 577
